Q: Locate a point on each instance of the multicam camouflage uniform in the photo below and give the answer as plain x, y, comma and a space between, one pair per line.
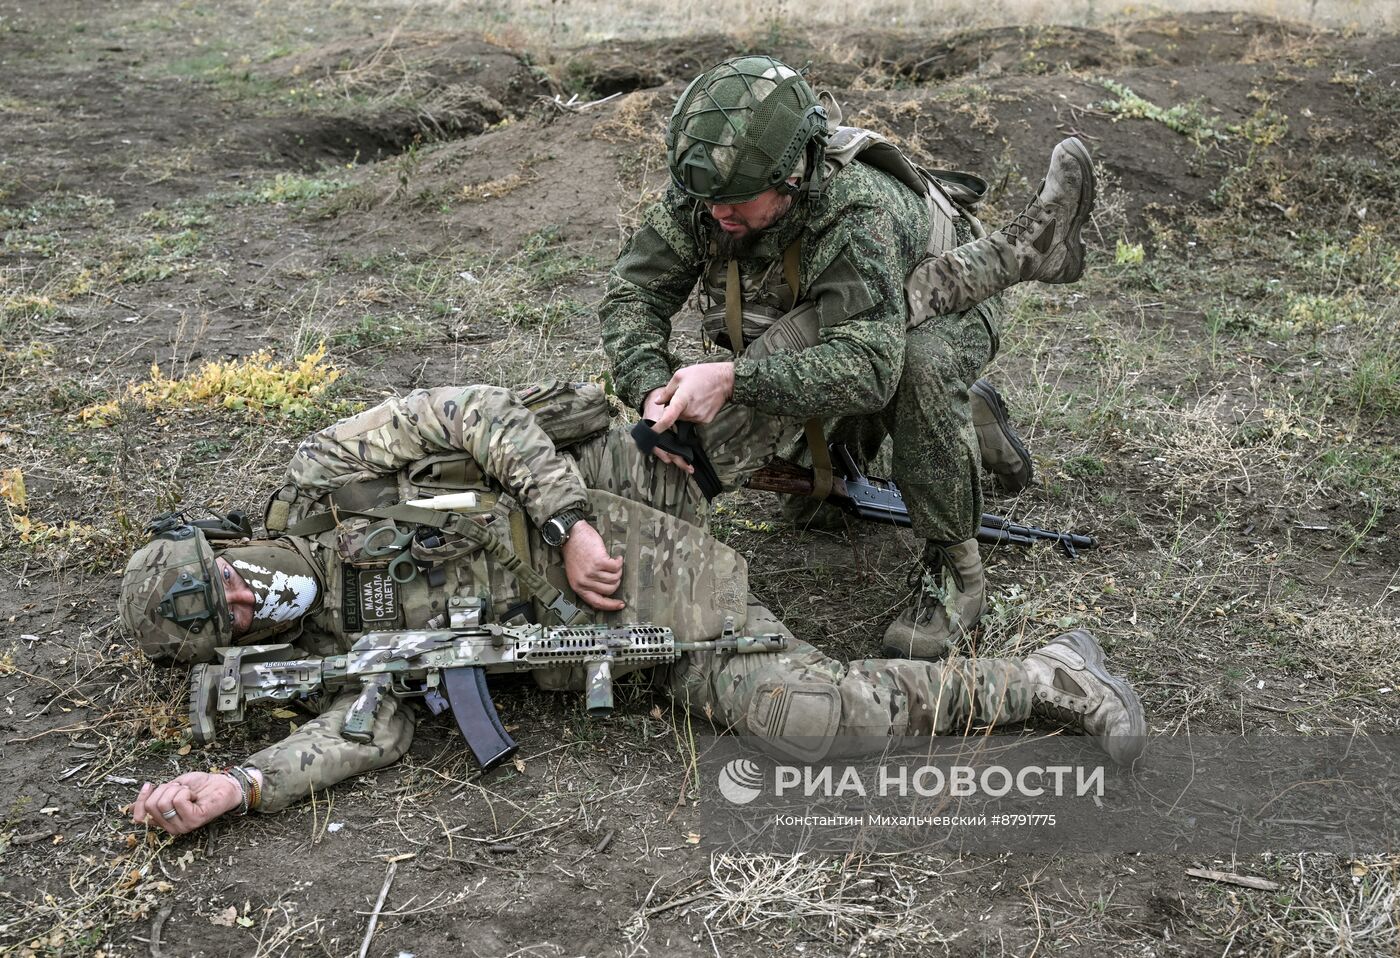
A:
800, 701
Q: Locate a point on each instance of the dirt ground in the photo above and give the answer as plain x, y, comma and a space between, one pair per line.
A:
434, 201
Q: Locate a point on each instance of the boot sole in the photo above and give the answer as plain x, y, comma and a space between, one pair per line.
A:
989, 395
1089, 649
1088, 190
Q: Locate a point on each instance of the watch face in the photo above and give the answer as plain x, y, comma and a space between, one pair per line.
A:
553, 533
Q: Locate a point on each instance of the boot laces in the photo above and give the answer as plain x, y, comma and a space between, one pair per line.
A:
1059, 714
1024, 221
931, 577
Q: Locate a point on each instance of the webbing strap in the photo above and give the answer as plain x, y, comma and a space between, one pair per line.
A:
821, 459
792, 259
519, 538
734, 307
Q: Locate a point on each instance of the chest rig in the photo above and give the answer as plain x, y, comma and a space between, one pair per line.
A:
392, 561
739, 308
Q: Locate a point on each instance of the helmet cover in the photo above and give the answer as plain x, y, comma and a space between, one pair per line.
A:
172, 597
744, 127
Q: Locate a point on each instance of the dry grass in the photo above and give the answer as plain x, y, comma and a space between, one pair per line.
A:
1245, 501
586, 21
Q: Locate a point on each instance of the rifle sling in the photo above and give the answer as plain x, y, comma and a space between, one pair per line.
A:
531, 581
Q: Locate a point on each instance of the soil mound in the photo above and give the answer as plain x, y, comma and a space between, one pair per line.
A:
889, 59
1185, 103
418, 86
413, 66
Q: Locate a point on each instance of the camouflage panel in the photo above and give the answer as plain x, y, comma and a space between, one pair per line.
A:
316, 756
674, 575
185, 566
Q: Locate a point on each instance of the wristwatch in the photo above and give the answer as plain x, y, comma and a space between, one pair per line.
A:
555, 531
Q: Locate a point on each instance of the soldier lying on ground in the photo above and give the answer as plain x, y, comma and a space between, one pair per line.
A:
593, 517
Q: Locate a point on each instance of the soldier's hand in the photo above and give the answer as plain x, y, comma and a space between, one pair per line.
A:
593, 574
695, 394
652, 408
195, 798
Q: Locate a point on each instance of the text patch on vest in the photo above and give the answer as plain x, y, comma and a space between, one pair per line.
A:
372, 599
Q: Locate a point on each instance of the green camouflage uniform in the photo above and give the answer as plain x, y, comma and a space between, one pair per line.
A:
675, 574
866, 376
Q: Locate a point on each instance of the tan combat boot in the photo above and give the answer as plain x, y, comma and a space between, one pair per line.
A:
1072, 689
952, 596
1042, 243
1045, 235
1004, 455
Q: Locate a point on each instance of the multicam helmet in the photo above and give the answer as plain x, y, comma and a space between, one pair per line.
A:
172, 597
744, 127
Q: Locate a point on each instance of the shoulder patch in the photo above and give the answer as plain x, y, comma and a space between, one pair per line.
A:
841, 291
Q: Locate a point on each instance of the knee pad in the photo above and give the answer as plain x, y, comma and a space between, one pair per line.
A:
794, 718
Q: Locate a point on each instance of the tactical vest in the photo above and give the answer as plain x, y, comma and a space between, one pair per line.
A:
675, 575
770, 293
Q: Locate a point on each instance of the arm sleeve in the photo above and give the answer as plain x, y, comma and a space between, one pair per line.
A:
315, 756
486, 423
647, 286
856, 366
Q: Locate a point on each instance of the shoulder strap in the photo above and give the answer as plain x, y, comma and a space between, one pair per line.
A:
851, 143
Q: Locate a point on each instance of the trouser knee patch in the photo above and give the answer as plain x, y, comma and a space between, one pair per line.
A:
796, 719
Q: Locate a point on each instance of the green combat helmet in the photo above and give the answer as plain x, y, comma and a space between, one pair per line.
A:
744, 127
172, 596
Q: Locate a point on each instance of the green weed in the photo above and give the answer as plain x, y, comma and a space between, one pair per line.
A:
293, 189
1188, 119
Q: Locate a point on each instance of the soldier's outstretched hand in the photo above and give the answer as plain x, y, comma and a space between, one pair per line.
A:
593, 574
185, 803
695, 394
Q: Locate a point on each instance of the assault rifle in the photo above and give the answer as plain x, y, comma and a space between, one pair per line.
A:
879, 500
430, 662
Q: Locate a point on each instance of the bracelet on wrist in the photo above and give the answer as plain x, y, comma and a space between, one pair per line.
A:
241, 780
249, 788
254, 789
